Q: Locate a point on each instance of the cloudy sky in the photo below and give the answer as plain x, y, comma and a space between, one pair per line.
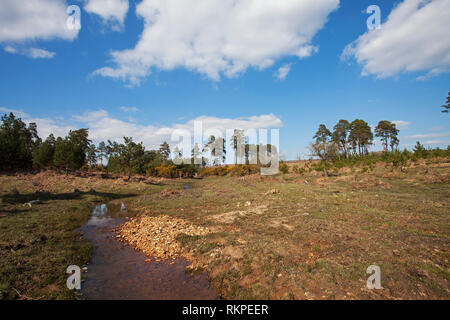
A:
143, 68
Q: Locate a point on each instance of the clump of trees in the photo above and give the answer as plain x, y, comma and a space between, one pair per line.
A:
350, 139
22, 149
388, 133
349, 143
17, 143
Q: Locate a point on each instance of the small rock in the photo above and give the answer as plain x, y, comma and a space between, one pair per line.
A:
423, 274
38, 239
33, 202
273, 191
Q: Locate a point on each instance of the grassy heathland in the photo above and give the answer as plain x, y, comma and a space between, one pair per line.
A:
292, 236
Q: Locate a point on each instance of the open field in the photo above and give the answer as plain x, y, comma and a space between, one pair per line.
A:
279, 237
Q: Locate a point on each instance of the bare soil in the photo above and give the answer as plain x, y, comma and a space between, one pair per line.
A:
280, 237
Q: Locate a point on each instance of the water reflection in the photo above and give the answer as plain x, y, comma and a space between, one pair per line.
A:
104, 213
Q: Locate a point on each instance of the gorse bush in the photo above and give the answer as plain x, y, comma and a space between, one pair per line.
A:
228, 170
284, 169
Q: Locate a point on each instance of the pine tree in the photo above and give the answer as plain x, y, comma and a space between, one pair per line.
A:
322, 135
388, 133
102, 151
43, 155
446, 105
341, 135
164, 151
361, 136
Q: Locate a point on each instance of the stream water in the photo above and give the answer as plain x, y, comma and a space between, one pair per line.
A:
117, 271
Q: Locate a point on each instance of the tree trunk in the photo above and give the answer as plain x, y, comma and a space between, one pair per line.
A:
346, 150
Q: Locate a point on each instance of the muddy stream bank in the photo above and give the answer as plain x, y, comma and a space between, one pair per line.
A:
117, 271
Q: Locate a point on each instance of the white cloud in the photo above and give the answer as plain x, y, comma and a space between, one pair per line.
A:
428, 135
427, 143
17, 113
402, 125
103, 127
112, 12
219, 37
413, 39
45, 126
30, 20
129, 109
10, 49
33, 53
36, 53
282, 72
434, 142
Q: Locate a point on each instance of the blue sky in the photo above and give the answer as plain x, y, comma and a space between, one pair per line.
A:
66, 87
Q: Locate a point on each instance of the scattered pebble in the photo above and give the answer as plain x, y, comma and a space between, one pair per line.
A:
156, 236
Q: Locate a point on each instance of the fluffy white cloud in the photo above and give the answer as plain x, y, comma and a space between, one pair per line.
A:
111, 11
45, 126
218, 37
402, 125
413, 39
29, 20
282, 72
103, 127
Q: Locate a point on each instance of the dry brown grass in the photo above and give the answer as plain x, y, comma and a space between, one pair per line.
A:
314, 239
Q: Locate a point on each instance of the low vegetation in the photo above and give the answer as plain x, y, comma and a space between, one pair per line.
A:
298, 235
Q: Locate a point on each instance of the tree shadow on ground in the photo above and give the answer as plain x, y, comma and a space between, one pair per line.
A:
12, 198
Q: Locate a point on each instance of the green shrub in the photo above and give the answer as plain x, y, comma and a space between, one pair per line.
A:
284, 169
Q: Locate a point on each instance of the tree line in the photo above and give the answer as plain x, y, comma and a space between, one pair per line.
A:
22, 149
